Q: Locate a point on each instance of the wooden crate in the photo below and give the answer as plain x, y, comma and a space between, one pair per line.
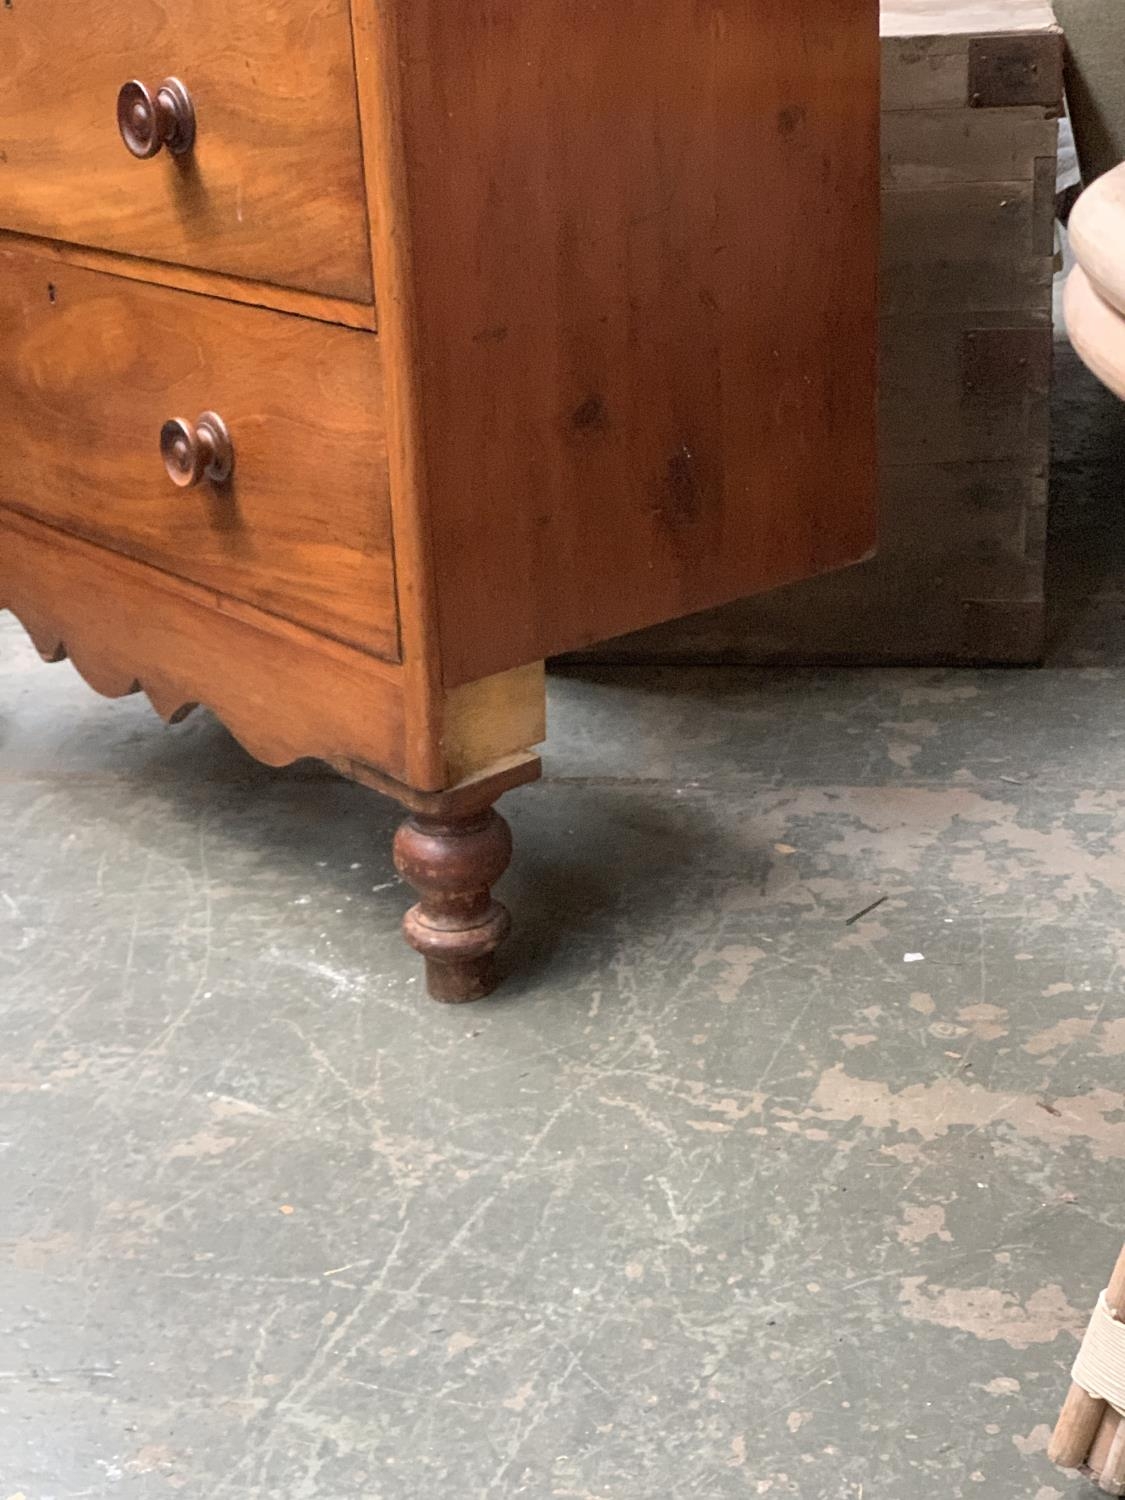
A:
971, 96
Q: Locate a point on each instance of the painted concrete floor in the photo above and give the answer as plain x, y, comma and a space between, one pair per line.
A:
725, 1195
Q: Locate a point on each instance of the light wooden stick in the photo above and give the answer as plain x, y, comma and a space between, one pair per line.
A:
1081, 1416
1111, 1480
1107, 1455
1102, 1443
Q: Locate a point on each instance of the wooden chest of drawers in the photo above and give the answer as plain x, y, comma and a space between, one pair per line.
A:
358, 357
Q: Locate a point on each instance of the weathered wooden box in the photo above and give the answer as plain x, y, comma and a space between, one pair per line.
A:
972, 91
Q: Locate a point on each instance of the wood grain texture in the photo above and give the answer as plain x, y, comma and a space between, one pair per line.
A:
641, 265
472, 794
95, 364
966, 277
283, 692
931, 150
927, 48
273, 189
380, 66
457, 925
208, 283
951, 535
486, 720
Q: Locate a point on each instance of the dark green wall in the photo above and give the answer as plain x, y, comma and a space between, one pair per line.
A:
1095, 31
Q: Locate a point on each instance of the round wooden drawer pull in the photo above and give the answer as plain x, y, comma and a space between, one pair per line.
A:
148, 121
192, 453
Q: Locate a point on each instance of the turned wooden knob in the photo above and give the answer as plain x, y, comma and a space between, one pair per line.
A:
192, 453
147, 121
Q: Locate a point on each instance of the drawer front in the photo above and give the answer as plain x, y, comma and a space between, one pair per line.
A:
271, 189
93, 366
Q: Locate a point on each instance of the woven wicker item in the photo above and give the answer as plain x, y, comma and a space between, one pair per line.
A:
1090, 1433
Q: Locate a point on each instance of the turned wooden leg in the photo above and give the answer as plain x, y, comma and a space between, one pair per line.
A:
456, 926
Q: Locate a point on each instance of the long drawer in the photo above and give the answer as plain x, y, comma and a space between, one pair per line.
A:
272, 185
95, 368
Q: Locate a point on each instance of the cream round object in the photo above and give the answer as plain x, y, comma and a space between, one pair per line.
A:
1096, 330
1097, 235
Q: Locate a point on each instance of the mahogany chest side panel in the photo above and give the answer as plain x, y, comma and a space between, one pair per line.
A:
642, 245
